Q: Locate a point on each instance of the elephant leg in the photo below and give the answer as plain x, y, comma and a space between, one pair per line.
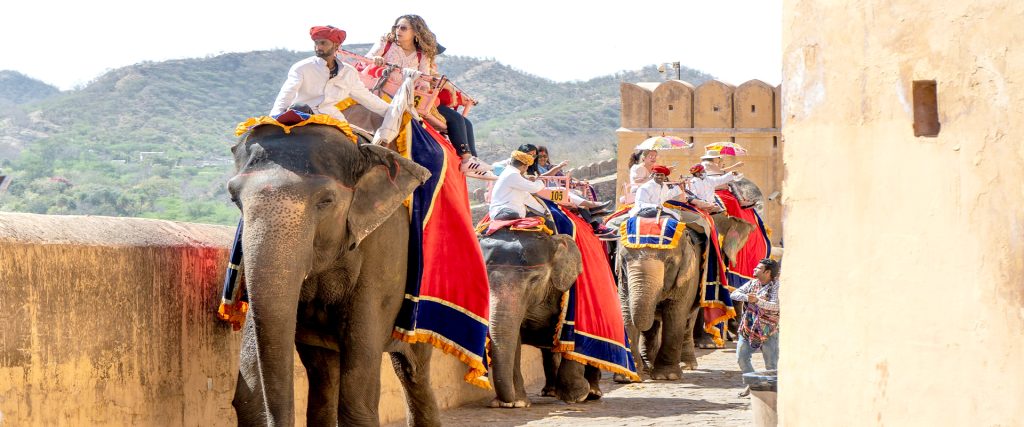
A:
593, 376
250, 407
572, 385
673, 318
689, 355
650, 343
701, 338
522, 401
510, 393
634, 347
412, 365
551, 360
632, 333
359, 392
323, 370
362, 344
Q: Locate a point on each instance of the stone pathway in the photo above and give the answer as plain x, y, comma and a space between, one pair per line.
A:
705, 397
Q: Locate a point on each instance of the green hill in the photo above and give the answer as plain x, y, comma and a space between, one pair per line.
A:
152, 139
17, 88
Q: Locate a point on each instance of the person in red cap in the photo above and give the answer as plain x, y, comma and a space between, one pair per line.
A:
652, 194
321, 81
702, 187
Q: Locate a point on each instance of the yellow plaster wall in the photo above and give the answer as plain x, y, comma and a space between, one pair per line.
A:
110, 321
672, 105
753, 105
903, 282
712, 108
636, 112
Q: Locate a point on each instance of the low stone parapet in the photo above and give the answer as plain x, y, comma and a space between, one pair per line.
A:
110, 321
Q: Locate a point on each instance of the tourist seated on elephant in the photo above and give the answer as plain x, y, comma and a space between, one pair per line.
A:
651, 196
411, 44
654, 193
321, 81
544, 165
714, 164
512, 194
702, 186
531, 150
640, 164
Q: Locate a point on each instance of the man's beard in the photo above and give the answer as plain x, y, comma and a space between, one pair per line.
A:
323, 54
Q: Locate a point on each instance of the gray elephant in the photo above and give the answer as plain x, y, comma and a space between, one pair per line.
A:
325, 260
529, 272
659, 290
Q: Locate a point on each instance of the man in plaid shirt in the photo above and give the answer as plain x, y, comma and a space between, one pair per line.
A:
760, 325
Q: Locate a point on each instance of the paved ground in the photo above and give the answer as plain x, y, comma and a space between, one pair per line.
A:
705, 397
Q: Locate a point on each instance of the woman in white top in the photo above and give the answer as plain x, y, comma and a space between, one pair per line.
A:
640, 164
411, 44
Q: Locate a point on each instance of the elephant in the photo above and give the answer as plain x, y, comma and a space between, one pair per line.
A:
659, 291
325, 249
748, 194
529, 272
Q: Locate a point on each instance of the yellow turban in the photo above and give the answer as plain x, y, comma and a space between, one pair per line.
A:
524, 158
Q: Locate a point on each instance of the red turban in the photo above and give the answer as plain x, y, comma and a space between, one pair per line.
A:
664, 170
335, 35
697, 168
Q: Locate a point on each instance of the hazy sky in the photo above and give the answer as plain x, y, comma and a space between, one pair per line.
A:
70, 42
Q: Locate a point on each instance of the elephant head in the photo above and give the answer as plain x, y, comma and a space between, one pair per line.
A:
655, 274
748, 194
308, 199
524, 269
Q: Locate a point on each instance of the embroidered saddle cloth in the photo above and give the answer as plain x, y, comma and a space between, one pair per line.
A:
660, 232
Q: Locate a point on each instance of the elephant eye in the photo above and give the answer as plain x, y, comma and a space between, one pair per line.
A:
325, 203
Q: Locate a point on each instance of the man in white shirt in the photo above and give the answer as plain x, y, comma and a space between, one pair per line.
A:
714, 165
513, 193
322, 81
702, 186
654, 193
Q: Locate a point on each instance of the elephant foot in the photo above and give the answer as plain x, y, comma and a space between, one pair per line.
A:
548, 391
575, 391
670, 373
519, 403
690, 366
622, 379
595, 393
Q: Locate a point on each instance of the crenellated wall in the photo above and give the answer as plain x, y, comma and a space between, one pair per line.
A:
110, 321
712, 112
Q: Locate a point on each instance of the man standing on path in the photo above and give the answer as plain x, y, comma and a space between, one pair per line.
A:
760, 325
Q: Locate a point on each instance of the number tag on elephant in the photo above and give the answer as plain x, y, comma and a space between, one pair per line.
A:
557, 195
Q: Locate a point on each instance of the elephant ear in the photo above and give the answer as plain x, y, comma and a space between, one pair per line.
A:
566, 262
736, 232
388, 180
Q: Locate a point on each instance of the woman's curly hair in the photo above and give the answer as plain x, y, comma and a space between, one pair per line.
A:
424, 39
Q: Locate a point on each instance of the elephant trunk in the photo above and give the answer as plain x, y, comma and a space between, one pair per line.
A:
506, 318
277, 260
646, 279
